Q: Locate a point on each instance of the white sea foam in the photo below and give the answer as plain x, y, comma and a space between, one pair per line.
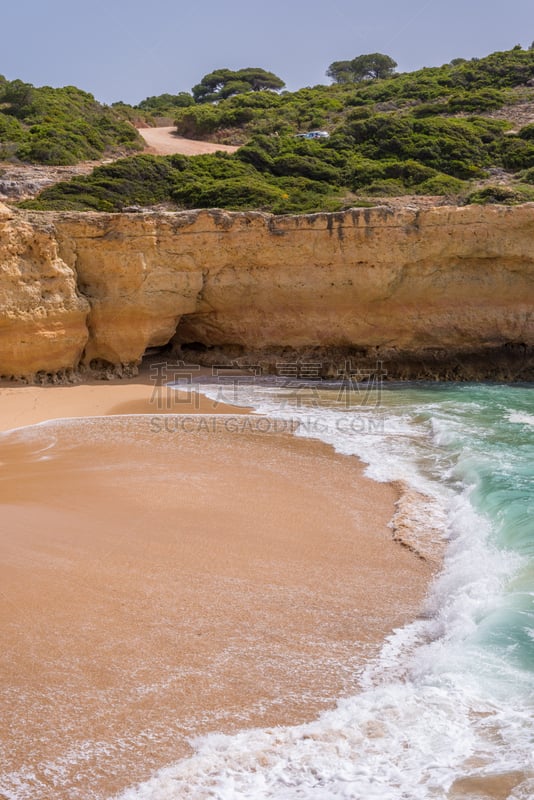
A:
521, 418
436, 696
401, 740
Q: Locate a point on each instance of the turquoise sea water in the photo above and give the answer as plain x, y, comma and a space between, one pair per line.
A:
448, 707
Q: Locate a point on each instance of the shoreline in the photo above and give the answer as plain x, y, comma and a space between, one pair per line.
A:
27, 404
263, 556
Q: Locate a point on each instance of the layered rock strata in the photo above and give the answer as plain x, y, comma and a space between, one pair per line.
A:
441, 292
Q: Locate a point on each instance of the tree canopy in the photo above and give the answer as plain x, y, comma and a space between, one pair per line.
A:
223, 83
362, 68
163, 102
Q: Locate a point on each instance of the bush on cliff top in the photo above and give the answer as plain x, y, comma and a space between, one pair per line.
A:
506, 195
59, 126
380, 156
144, 180
201, 182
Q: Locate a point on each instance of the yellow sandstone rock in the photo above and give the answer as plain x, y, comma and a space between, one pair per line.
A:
42, 316
393, 284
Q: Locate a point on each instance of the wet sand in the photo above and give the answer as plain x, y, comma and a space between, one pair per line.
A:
166, 576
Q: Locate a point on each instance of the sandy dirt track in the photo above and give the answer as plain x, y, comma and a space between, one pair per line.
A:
164, 142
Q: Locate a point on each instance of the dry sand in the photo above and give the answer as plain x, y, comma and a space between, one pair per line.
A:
164, 576
27, 405
165, 142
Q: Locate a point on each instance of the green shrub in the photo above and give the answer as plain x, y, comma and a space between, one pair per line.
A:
528, 175
197, 121
454, 146
11, 129
361, 172
306, 167
257, 156
302, 195
498, 70
527, 133
218, 166
409, 172
163, 103
516, 153
481, 100
493, 194
525, 192
441, 184
60, 126
232, 193
429, 109
385, 188
143, 180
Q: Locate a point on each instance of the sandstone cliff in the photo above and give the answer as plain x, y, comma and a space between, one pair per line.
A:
42, 315
442, 292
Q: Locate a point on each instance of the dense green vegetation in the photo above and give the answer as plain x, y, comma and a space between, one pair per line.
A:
465, 87
199, 182
427, 132
59, 126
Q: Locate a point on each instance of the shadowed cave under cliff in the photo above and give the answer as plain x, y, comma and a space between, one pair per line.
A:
511, 361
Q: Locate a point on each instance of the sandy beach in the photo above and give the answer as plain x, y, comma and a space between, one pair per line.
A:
168, 575
22, 405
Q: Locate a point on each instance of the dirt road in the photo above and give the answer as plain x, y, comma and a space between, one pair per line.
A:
164, 142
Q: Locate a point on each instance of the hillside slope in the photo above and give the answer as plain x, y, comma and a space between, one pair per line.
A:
460, 131
60, 126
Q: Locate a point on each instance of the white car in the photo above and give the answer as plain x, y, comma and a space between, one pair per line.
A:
313, 135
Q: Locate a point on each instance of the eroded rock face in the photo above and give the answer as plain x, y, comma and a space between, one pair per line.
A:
42, 315
455, 283
138, 275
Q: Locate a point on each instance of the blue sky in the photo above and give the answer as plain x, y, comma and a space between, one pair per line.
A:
129, 49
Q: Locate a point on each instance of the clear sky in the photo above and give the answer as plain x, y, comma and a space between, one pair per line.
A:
129, 49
